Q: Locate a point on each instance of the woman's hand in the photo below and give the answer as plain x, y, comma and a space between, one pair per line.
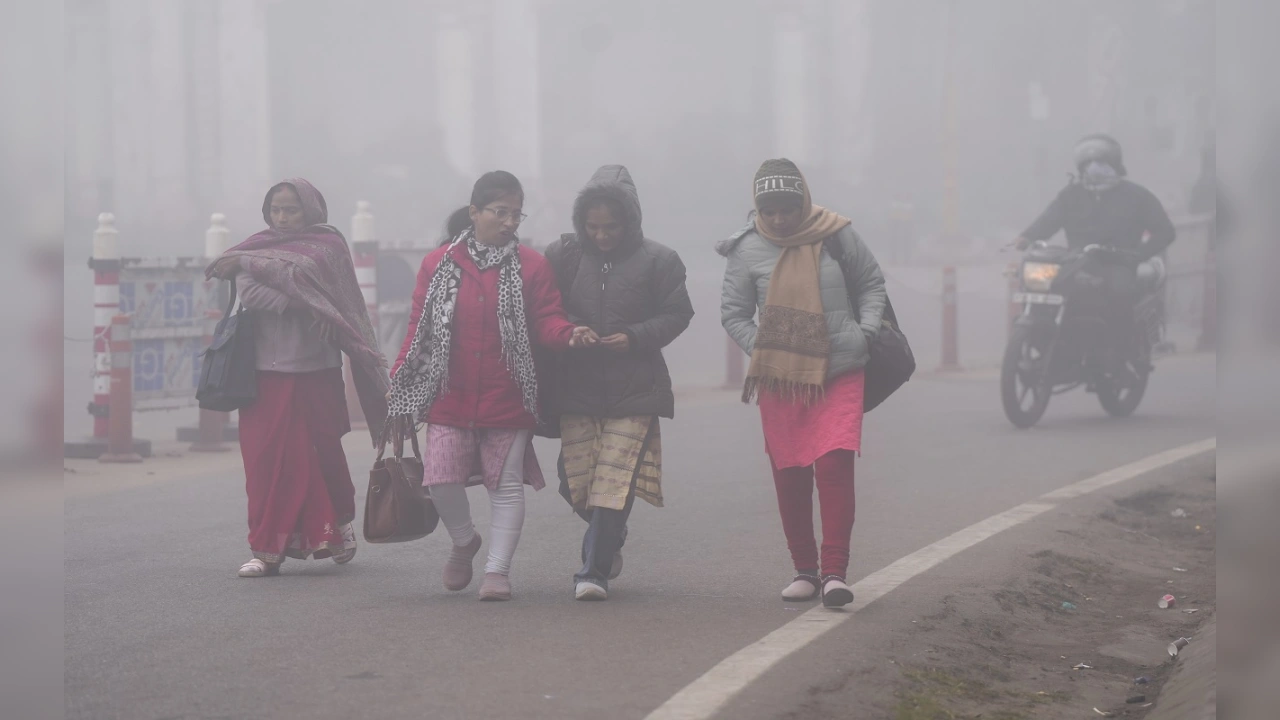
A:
328, 331
224, 268
619, 343
583, 337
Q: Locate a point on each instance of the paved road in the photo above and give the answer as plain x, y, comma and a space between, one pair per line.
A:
158, 626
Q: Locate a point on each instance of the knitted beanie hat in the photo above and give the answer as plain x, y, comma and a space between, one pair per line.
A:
778, 178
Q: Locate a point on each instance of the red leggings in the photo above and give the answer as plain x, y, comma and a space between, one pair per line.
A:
835, 499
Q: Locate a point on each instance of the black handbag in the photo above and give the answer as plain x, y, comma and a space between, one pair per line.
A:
547, 362
229, 368
397, 508
892, 363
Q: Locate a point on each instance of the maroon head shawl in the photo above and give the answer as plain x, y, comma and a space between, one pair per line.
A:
313, 267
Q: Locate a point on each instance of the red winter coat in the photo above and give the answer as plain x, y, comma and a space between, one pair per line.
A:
482, 392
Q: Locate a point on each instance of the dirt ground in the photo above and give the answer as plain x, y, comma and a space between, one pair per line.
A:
1007, 651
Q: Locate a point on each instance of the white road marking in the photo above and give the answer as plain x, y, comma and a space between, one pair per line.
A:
707, 695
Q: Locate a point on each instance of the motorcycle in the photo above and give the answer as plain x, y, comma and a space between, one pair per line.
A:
1063, 340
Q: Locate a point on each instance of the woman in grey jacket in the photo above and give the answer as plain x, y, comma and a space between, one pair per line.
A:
786, 302
631, 291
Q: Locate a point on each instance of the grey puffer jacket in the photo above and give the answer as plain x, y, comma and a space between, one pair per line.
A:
746, 284
638, 288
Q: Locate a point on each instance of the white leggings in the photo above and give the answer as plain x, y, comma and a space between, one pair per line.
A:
506, 509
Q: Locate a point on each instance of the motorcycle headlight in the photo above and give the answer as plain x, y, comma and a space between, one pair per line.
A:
1038, 276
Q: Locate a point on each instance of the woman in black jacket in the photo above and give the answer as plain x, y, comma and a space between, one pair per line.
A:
631, 291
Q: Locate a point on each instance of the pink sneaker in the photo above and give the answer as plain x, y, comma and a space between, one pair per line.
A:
495, 587
457, 569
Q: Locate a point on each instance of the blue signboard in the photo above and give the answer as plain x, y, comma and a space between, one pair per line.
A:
168, 302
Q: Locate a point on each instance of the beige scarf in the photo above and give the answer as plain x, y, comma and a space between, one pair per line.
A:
793, 347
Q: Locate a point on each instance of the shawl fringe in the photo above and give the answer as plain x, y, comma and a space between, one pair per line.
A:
804, 393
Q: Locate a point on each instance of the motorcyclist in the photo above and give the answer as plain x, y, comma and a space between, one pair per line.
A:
1101, 207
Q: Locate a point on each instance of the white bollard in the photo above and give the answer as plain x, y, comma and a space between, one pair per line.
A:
364, 251
362, 223
106, 240
217, 238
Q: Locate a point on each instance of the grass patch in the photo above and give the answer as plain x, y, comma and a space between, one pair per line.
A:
949, 685
921, 706
1058, 566
934, 694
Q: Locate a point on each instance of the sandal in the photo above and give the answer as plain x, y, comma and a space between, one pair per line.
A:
256, 568
349, 543
803, 589
835, 593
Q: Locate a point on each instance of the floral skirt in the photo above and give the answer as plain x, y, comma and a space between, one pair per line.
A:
474, 457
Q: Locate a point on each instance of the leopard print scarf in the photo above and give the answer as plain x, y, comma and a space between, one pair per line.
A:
425, 371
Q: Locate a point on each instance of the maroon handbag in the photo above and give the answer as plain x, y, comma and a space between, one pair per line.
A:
396, 508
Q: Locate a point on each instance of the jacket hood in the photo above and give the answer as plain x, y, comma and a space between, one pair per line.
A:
725, 246
611, 182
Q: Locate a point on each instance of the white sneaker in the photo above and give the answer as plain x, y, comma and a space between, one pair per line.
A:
590, 591
803, 589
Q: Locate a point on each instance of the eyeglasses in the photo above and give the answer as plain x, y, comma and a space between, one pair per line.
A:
503, 214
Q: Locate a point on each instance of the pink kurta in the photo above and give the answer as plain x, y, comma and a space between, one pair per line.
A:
796, 435
472, 457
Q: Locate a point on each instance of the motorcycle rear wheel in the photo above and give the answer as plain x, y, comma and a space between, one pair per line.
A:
1121, 402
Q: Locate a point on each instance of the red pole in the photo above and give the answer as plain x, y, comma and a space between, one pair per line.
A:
735, 373
106, 303
950, 321
212, 423
47, 426
1209, 314
120, 418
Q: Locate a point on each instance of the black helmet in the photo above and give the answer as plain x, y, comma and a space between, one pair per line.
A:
1099, 147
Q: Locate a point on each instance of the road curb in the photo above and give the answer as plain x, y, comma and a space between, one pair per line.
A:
1192, 691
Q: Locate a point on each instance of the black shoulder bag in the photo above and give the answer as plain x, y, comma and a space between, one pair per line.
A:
892, 363
547, 362
229, 368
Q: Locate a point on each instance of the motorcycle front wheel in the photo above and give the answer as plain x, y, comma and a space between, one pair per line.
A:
1022, 390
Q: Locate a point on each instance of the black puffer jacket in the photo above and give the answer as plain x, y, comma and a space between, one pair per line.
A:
638, 289
1118, 218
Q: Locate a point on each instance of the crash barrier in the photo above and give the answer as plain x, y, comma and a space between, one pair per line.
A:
153, 319
166, 303
957, 316
172, 311
364, 254
1191, 285
970, 307
1190, 291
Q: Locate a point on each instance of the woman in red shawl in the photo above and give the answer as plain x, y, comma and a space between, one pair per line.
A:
298, 280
